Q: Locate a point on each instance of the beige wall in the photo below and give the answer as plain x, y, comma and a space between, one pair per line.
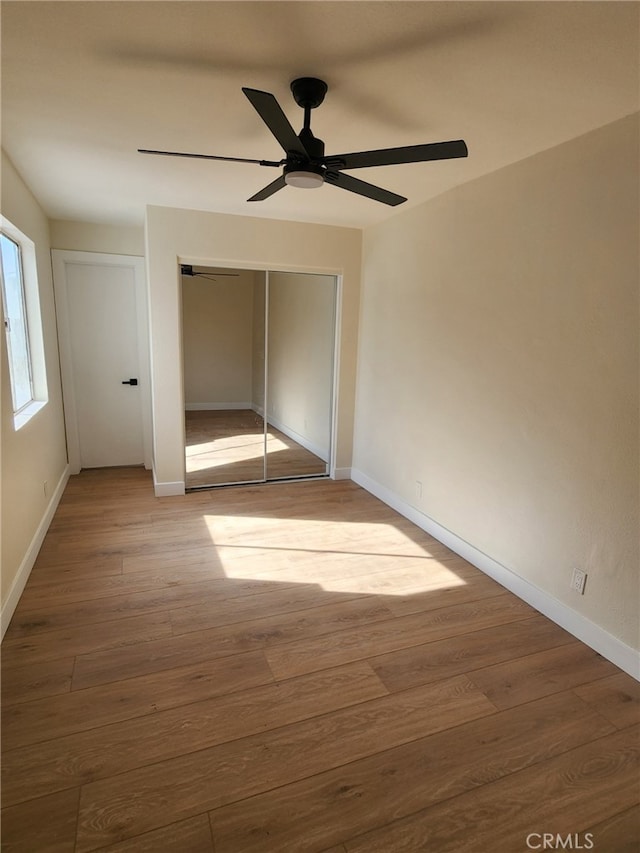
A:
498, 365
37, 452
237, 241
217, 325
90, 237
300, 357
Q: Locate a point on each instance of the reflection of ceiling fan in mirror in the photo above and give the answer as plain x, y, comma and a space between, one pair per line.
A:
212, 275
306, 164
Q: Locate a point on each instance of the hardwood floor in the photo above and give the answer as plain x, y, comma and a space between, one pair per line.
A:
229, 446
295, 667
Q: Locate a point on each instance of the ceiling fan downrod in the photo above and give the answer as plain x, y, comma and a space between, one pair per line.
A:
308, 93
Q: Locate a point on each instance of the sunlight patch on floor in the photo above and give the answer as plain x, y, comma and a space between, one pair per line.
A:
222, 451
372, 559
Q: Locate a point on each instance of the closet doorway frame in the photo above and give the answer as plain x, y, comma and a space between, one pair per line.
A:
337, 325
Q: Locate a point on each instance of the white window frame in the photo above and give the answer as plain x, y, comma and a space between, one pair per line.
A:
33, 321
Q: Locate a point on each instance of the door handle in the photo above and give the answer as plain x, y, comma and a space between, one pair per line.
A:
130, 382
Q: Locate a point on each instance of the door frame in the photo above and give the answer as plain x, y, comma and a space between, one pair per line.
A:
60, 259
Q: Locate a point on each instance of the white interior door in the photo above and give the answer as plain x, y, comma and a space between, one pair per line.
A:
102, 325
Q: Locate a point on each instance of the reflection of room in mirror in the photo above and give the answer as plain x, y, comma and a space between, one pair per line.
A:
253, 341
228, 447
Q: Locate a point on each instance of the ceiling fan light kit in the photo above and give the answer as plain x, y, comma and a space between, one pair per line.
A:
305, 164
308, 178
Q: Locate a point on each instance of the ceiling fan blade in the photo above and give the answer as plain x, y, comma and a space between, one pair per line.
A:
270, 189
271, 114
394, 156
210, 157
355, 185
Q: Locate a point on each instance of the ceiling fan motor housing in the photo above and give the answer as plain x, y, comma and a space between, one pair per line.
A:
313, 145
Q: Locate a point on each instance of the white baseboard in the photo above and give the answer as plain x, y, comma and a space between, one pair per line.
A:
22, 576
167, 489
321, 452
597, 638
342, 474
216, 407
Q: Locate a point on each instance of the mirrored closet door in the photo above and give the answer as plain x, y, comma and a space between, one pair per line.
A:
258, 351
300, 347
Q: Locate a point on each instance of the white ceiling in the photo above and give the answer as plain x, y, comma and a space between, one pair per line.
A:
84, 84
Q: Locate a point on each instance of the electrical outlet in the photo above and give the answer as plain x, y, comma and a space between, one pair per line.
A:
45, 487
578, 581
418, 489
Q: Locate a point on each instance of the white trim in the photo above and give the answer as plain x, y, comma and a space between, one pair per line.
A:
144, 353
300, 439
22, 575
265, 381
341, 474
60, 258
23, 417
255, 266
167, 490
215, 407
335, 367
610, 647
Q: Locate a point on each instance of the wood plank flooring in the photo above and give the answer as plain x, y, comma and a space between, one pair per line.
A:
295, 667
228, 446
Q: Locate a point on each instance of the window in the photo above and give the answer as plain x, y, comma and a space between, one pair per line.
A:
22, 323
15, 323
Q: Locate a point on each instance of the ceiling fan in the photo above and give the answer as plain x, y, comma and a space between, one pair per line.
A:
306, 164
